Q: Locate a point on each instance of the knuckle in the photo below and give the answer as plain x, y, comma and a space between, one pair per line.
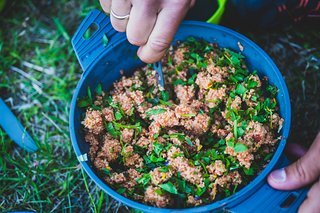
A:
159, 45
147, 59
314, 192
118, 25
135, 41
193, 2
181, 4
105, 4
300, 172
149, 4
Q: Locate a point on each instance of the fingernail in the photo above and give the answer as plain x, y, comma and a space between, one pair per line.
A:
278, 175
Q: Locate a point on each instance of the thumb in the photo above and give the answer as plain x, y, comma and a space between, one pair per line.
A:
301, 173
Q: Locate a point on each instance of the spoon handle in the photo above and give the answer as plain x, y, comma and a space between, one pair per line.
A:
159, 74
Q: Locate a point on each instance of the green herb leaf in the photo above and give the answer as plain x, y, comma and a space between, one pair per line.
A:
254, 98
157, 148
240, 131
191, 80
155, 111
240, 89
106, 171
112, 131
118, 115
233, 57
177, 155
169, 187
268, 156
164, 169
200, 190
183, 186
121, 190
235, 129
144, 180
221, 142
136, 126
89, 95
230, 142
260, 118
272, 90
178, 82
167, 103
240, 147
165, 95
233, 115
251, 84
105, 40
249, 171
155, 159
188, 115
189, 142
227, 192
98, 89
158, 191
168, 146
131, 111
83, 103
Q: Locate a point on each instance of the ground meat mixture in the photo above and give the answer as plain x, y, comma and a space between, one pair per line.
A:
185, 94
153, 197
158, 176
198, 125
108, 114
204, 136
110, 149
217, 168
94, 144
93, 121
127, 135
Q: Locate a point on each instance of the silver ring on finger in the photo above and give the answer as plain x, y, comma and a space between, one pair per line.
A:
118, 16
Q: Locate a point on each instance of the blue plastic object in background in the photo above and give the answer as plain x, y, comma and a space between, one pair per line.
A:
102, 64
14, 129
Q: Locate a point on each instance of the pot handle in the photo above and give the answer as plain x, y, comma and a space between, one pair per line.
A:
93, 37
267, 199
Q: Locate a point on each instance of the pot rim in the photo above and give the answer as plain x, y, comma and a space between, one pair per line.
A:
243, 193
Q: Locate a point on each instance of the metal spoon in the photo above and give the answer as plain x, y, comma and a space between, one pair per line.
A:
159, 74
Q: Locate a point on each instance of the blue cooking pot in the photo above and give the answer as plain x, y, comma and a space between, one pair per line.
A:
107, 52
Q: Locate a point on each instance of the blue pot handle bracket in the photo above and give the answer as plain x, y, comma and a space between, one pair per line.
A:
266, 199
14, 129
88, 50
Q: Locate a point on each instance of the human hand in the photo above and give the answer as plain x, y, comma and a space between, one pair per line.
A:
304, 171
151, 25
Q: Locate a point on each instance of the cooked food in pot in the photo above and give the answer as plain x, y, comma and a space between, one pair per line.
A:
203, 137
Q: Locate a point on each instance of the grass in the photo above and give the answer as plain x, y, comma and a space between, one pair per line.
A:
51, 179
38, 73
